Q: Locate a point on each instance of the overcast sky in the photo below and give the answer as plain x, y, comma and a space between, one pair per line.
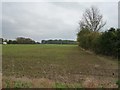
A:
53, 20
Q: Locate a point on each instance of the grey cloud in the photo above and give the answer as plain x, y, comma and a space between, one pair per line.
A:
119, 14
0, 19
48, 20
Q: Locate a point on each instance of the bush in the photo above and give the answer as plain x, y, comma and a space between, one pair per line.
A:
118, 83
107, 43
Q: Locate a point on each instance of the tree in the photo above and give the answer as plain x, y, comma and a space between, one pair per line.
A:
82, 38
58, 41
92, 19
1, 40
22, 40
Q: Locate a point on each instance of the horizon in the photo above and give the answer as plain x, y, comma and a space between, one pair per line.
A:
39, 41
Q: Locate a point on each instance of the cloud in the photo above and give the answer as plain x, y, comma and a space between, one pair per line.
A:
0, 19
43, 20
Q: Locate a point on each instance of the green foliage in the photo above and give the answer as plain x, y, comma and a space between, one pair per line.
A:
107, 43
22, 40
1, 40
118, 83
83, 38
17, 84
87, 39
76, 86
7, 84
60, 85
19, 40
58, 41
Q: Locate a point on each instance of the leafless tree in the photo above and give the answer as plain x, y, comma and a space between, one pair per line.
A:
92, 19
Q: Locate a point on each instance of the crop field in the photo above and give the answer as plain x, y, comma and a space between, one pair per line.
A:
56, 66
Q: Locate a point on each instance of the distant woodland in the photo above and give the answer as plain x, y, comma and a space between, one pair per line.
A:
23, 40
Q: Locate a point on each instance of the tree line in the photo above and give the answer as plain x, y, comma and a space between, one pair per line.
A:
23, 40
107, 43
89, 37
19, 40
58, 42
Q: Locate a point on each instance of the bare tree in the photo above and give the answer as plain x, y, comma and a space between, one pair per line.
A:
92, 19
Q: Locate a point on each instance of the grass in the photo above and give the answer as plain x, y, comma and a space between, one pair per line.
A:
118, 83
64, 85
16, 84
61, 63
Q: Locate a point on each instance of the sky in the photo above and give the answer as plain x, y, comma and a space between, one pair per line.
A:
119, 14
51, 20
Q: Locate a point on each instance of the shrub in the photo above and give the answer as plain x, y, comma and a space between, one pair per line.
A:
107, 43
118, 83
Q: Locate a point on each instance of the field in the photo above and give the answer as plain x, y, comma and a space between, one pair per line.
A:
56, 66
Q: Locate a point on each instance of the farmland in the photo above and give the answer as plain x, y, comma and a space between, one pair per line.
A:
59, 66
